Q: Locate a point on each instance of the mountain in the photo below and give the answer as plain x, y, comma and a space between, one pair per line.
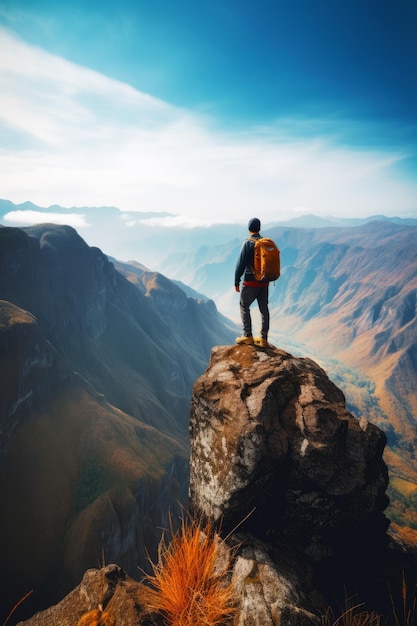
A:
313, 221
96, 377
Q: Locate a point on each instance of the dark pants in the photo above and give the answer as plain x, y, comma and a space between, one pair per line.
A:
248, 295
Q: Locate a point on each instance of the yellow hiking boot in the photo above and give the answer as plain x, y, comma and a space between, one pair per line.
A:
244, 340
263, 343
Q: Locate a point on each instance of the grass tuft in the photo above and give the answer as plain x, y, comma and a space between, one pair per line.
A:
352, 616
188, 587
408, 604
16, 606
96, 618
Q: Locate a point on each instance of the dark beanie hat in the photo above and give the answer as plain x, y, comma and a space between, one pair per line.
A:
254, 225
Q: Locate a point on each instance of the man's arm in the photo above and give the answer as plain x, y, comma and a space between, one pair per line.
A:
241, 264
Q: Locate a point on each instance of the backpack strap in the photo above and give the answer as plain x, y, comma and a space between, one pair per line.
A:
252, 269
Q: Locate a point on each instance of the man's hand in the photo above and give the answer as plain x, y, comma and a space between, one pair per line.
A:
237, 288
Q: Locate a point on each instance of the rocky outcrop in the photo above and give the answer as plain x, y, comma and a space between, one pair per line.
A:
271, 439
348, 296
104, 596
276, 455
273, 585
268, 594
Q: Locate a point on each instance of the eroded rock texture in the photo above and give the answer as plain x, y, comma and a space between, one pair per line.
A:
276, 455
271, 438
104, 596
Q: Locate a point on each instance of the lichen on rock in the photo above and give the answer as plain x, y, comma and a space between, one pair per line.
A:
270, 432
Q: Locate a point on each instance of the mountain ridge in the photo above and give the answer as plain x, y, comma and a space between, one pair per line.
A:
95, 390
132, 234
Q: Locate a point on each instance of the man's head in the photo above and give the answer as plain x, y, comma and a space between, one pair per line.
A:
254, 225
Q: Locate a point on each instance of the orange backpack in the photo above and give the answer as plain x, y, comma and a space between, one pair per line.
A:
266, 260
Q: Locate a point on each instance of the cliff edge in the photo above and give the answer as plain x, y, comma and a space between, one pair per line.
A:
280, 467
271, 438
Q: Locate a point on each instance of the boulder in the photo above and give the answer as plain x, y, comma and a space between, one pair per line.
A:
293, 481
272, 586
273, 448
104, 596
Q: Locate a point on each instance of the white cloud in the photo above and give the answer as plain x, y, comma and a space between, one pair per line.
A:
74, 137
179, 221
28, 217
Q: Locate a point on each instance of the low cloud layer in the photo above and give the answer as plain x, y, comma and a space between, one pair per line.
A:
73, 137
28, 217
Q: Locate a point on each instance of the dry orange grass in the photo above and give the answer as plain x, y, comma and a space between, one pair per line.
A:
96, 618
189, 588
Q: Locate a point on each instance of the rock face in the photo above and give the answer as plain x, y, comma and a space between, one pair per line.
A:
30, 368
104, 596
275, 452
271, 438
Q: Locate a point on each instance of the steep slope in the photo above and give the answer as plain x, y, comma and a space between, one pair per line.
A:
94, 397
196, 331
108, 329
81, 480
359, 285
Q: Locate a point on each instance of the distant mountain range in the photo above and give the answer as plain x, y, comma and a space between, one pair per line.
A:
151, 238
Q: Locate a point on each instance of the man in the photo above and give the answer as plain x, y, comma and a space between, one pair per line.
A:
252, 289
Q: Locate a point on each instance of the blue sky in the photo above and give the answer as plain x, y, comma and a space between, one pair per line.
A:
211, 110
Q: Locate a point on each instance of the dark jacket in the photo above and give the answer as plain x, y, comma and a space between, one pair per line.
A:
245, 262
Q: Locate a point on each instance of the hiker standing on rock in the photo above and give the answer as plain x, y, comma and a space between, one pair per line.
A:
255, 284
